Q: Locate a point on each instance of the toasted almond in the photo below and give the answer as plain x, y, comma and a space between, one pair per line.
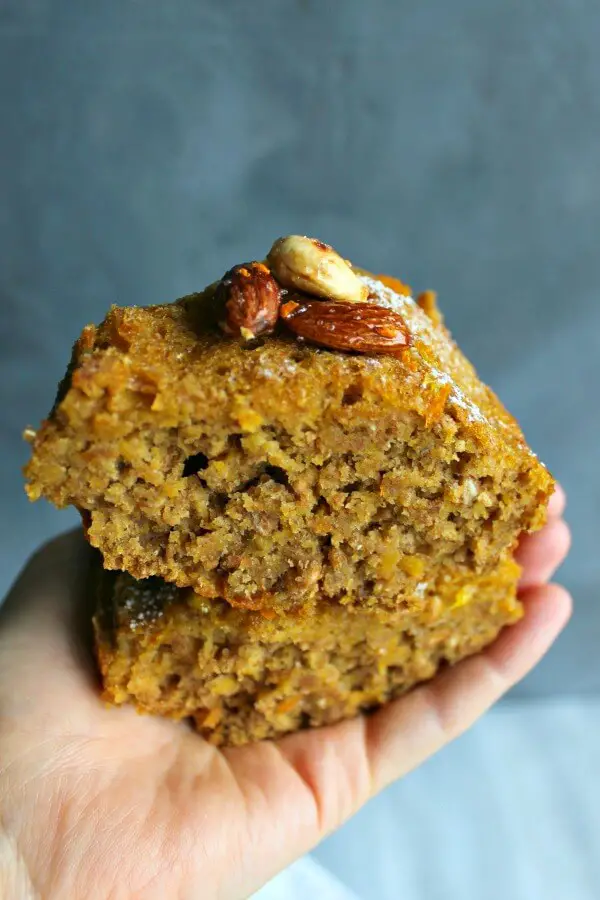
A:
363, 328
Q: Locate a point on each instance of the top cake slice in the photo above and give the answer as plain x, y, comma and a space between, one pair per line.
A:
299, 430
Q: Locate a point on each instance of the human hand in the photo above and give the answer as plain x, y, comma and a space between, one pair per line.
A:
99, 802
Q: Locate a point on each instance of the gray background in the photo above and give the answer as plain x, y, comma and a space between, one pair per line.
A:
147, 145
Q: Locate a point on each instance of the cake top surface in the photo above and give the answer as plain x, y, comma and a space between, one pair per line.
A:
196, 351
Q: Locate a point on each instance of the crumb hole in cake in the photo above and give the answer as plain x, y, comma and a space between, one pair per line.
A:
353, 394
469, 555
493, 516
248, 485
272, 473
219, 501
368, 587
322, 506
234, 441
171, 682
407, 637
277, 474
195, 464
462, 463
254, 344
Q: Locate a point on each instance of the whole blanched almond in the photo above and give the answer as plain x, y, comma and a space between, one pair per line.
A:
305, 264
361, 327
251, 298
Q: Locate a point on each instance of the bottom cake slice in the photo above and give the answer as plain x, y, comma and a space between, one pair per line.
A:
240, 676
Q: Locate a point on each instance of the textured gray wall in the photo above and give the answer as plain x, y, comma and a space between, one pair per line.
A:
149, 144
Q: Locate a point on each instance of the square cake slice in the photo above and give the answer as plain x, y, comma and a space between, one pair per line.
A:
240, 676
299, 433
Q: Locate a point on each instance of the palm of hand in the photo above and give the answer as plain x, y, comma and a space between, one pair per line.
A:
98, 802
114, 799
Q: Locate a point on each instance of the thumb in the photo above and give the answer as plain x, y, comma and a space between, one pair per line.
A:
45, 625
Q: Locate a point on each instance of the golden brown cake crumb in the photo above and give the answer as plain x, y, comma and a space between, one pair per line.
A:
241, 676
274, 472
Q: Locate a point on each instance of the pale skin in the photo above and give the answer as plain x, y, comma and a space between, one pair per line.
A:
102, 803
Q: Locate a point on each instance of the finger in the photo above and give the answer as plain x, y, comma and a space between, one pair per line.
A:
342, 766
557, 503
409, 730
45, 623
541, 554
58, 563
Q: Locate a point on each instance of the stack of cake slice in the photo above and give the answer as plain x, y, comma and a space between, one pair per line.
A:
304, 499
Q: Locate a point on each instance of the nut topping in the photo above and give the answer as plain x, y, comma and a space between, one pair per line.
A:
363, 328
251, 297
305, 264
